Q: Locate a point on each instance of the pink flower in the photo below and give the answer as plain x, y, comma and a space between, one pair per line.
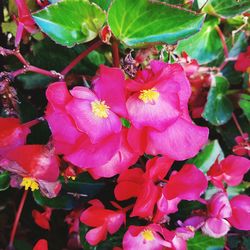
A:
38, 166
243, 62
187, 184
12, 134
76, 141
151, 237
230, 170
240, 217
25, 21
122, 160
158, 108
103, 220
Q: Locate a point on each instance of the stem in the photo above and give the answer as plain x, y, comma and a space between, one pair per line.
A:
237, 124
223, 41
18, 214
115, 53
92, 47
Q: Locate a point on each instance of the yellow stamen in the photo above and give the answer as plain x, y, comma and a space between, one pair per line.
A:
191, 228
28, 182
149, 95
100, 109
148, 235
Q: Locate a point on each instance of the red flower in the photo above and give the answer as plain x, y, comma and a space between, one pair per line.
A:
231, 170
41, 245
104, 221
42, 219
243, 145
12, 134
37, 164
243, 62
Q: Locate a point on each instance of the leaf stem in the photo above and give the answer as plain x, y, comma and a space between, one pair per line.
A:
115, 52
237, 124
223, 41
17, 218
92, 47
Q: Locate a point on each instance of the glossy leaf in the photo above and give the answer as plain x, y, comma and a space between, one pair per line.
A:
66, 202
203, 242
4, 181
227, 8
104, 4
70, 22
137, 23
205, 159
218, 109
245, 105
204, 46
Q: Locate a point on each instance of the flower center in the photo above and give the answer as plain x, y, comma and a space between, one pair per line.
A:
28, 182
148, 235
149, 95
100, 109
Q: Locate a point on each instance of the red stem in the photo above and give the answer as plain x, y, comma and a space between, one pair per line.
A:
92, 47
237, 124
18, 214
115, 53
223, 41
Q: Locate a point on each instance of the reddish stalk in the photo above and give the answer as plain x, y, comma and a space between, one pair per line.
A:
237, 124
115, 53
17, 218
92, 47
223, 41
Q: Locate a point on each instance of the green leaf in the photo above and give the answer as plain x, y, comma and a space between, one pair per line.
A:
125, 123
206, 158
227, 8
231, 191
204, 242
218, 109
198, 4
66, 202
104, 4
4, 181
70, 22
205, 46
245, 105
137, 23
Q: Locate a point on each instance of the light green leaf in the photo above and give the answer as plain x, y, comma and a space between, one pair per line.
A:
227, 8
218, 109
205, 46
137, 23
204, 242
70, 22
206, 158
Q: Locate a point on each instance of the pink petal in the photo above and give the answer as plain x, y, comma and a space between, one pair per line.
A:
158, 114
111, 80
115, 221
188, 184
96, 235
86, 121
240, 212
83, 93
215, 227
180, 141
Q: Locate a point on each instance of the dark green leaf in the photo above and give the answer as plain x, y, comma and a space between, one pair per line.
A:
125, 123
137, 23
240, 45
204, 242
104, 4
245, 105
69, 22
205, 159
205, 46
227, 8
66, 202
4, 181
198, 4
218, 109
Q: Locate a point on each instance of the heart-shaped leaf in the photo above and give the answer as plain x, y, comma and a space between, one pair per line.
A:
227, 8
204, 46
137, 23
70, 22
218, 109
